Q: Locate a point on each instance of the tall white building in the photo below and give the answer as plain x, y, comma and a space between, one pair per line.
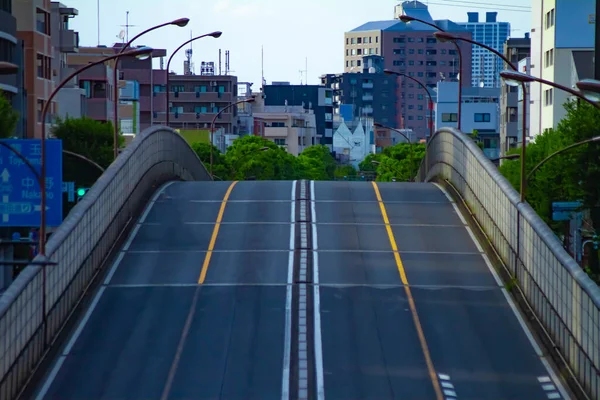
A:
562, 44
485, 66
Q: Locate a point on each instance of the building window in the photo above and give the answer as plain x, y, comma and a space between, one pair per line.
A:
6, 50
548, 97
449, 117
40, 107
279, 142
482, 117
549, 58
44, 66
550, 19
42, 20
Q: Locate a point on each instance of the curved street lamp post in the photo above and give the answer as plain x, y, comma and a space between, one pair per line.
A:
514, 78
141, 53
407, 19
212, 126
181, 22
411, 145
444, 37
215, 35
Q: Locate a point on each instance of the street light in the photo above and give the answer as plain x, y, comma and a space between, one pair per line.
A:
390, 72
410, 143
212, 126
234, 170
406, 19
7, 68
180, 22
397, 171
558, 152
213, 34
141, 52
506, 157
444, 37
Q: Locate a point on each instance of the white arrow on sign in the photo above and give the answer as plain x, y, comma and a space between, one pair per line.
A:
39, 208
5, 175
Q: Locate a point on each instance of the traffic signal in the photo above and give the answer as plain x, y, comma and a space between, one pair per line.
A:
595, 241
81, 192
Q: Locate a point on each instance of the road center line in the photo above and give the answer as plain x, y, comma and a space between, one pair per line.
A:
215, 233
287, 342
411, 302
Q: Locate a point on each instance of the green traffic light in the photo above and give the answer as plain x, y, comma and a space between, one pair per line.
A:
80, 192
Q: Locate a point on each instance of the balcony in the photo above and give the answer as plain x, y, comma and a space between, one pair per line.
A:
367, 97
191, 117
201, 97
367, 86
69, 41
276, 132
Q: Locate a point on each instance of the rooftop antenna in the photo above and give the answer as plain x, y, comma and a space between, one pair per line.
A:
126, 26
98, 19
262, 66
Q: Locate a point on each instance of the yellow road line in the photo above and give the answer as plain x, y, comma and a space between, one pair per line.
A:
411, 301
213, 239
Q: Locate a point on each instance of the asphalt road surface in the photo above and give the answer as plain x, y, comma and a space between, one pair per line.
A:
273, 290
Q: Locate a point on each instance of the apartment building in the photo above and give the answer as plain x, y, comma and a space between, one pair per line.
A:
196, 99
560, 29
310, 97
152, 86
411, 49
65, 41
34, 29
97, 82
293, 128
480, 113
370, 92
11, 50
129, 108
515, 49
486, 66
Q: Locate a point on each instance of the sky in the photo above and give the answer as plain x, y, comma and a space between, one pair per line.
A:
292, 33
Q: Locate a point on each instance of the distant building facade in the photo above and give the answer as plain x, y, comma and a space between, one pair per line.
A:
480, 113
486, 66
311, 97
410, 49
370, 92
515, 49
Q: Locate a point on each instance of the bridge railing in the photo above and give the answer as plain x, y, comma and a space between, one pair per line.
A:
563, 298
80, 246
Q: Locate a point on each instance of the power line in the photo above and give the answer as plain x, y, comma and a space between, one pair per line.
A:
486, 4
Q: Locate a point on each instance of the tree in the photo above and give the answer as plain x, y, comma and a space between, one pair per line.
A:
343, 171
221, 167
367, 164
89, 138
8, 118
317, 163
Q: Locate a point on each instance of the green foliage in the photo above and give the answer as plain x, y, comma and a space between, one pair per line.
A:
367, 164
8, 118
89, 138
570, 176
400, 162
220, 165
345, 171
317, 163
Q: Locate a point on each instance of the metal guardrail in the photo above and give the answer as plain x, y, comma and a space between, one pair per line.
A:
80, 246
563, 298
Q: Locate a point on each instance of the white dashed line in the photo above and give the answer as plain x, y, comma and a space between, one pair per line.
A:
447, 387
549, 388
287, 341
320, 384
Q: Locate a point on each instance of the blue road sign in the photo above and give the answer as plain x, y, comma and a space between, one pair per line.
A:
69, 189
566, 205
19, 189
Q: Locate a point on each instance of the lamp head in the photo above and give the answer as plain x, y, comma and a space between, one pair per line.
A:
377, 125
7, 68
141, 53
390, 72
590, 88
181, 22
263, 149
515, 78
445, 36
216, 34
250, 100
375, 162
406, 18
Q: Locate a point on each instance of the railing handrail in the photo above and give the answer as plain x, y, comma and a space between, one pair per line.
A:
536, 222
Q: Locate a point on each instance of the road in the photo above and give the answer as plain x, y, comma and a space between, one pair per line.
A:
272, 290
